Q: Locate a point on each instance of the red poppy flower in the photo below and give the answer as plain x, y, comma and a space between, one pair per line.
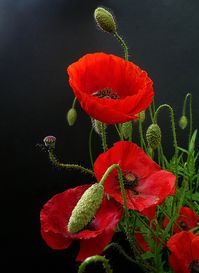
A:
56, 213
146, 184
184, 247
187, 220
109, 88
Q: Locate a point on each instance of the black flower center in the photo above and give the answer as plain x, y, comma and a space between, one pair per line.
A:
194, 266
183, 225
130, 181
106, 93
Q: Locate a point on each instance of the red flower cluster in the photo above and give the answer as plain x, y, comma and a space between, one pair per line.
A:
184, 247
146, 184
55, 215
109, 88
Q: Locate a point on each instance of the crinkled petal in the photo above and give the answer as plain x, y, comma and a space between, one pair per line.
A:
95, 72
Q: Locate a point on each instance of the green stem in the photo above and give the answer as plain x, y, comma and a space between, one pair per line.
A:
188, 95
94, 259
103, 136
172, 124
74, 102
151, 113
123, 44
106, 174
90, 145
142, 142
58, 164
119, 133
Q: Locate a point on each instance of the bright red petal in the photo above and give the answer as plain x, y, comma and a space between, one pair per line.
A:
91, 74
181, 255
108, 218
55, 240
154, 184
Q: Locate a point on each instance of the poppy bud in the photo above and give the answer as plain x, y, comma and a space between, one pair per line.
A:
105, 20
97, 125
183, 122
49, 141
86, 208
153, 136
71, 116
126, 129
141, 116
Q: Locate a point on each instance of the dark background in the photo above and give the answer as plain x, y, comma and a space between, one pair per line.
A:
39, 39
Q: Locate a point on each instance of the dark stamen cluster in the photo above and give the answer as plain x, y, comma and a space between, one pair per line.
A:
194, 266
106, 93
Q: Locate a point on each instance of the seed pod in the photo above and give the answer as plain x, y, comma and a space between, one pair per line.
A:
86, 208
183, 122
126, 129
153, 136
71, 116
105, 20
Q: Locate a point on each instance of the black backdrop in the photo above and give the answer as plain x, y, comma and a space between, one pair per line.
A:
39, 39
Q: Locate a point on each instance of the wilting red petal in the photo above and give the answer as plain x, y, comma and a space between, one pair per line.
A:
97, 71
153, 184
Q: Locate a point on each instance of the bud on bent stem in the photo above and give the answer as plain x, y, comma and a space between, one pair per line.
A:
86, 208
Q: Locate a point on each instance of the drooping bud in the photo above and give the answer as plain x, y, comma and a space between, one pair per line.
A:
86, 208
183, 122
105, 20
49, 141
142, 116
71, 116
97, 125
126, 129
153, 136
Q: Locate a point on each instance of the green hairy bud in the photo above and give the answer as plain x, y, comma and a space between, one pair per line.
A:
97, 125
183, 122
86, 208
105, 20
71, 116
153, 136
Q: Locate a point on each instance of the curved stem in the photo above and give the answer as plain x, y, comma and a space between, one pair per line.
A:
172, 124
188, 95
121, 251
58, 164
94, 259
123, 44
74, 102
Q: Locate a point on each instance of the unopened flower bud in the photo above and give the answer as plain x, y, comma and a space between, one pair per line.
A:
153, 136
71, 116
97, 125
183, 122
126, 129
142, 116
86, 208
49, 141
105, 20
